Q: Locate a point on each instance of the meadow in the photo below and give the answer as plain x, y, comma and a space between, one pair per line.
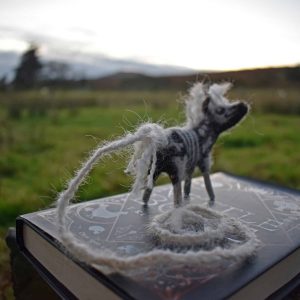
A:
44, 135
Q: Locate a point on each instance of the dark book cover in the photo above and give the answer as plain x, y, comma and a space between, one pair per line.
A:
120, 225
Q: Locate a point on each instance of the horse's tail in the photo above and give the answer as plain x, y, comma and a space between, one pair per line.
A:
149, 137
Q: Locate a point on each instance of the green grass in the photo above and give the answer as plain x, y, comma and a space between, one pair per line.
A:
40, 151
264, 147
43, 154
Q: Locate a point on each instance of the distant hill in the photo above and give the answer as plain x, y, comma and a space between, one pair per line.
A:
268, 77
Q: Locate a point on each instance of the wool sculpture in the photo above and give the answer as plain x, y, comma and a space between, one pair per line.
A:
176, 151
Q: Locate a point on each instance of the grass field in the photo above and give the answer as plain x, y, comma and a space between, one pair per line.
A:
44, 136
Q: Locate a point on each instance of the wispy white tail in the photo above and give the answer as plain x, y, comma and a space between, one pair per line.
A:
148, 138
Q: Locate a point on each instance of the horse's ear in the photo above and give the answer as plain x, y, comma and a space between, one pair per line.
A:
205, 104
219, 90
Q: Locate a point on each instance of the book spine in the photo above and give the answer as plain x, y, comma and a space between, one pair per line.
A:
58, 288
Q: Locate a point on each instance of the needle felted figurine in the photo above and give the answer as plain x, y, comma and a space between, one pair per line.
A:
176, 151
208, 114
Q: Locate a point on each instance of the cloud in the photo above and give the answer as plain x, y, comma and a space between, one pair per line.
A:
80, 54
75, 54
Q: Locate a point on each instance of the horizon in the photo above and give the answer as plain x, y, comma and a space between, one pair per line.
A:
99, 38
144, 69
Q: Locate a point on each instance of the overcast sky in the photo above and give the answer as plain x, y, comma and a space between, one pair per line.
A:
202, 35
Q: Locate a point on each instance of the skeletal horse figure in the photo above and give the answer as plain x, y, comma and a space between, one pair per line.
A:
175, 151
208, 114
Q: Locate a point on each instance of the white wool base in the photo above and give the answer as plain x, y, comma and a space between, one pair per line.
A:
195, 225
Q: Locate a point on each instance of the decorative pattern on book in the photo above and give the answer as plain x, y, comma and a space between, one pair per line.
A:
115, 224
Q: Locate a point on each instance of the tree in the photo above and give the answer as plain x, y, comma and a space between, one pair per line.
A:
28, 70
3, 83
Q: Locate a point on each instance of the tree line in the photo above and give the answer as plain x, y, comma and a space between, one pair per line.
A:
31, 72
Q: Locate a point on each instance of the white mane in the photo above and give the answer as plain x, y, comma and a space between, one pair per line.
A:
197, 95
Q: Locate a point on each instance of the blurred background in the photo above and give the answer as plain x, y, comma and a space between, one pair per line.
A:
75, 73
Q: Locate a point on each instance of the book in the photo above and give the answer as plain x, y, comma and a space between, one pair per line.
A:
119, 223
